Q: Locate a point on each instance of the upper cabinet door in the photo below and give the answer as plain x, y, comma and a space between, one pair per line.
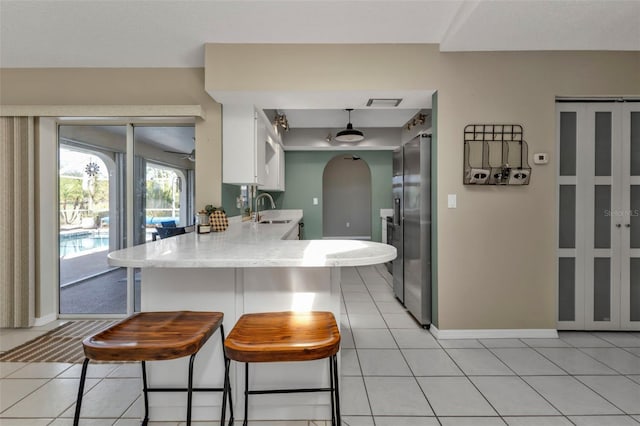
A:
252, 152
259, 148
274, 167
245, 131
238, 144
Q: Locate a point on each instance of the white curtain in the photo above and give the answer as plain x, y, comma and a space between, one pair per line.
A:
17, 221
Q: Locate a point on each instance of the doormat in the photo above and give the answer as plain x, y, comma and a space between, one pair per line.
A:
62, 344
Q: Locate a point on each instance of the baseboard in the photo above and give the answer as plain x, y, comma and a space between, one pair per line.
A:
44, 320
524, 333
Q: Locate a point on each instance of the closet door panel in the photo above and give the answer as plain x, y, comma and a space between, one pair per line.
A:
571, 265
630, 230
597, 181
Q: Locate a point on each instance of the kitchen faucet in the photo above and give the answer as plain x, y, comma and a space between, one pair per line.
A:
273, 204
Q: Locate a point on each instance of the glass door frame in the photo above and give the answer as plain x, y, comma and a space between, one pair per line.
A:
130, 123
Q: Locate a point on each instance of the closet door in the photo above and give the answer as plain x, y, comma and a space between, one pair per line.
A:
630, 225
598, 216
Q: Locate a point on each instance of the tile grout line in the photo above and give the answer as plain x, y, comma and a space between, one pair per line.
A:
522, 378
361, 275
355, 348
469, 377
401, 354
576, 376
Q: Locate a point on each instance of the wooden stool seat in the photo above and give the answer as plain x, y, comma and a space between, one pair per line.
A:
158, 336
153, 336
285, 337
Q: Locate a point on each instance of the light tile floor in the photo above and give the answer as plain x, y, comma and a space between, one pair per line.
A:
393, 374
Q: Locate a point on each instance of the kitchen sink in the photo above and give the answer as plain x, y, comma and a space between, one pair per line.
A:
276, 221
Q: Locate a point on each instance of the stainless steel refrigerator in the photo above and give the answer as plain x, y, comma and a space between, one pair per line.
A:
412, 227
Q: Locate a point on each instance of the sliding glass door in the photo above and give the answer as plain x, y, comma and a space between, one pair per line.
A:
116, 185
163, 169
91, 182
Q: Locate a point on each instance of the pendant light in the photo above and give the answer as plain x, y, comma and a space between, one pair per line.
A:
349, 134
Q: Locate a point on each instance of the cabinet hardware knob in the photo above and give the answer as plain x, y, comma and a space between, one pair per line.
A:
618, 225
627, 225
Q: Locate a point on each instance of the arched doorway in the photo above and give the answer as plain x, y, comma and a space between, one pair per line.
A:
346, 195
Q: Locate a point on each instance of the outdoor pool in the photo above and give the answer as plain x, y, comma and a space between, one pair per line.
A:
81, 242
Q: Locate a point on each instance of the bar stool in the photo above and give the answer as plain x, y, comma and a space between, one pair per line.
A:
157, 336
287, 336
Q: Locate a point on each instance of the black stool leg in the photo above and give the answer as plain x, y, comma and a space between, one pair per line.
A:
336, 384
226, 390
332, 387
83, 376
246, 394
190, 389
146, 393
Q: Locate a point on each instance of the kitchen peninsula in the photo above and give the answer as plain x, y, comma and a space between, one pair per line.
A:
250, 267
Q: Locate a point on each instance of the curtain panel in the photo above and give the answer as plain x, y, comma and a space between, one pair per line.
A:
17, 221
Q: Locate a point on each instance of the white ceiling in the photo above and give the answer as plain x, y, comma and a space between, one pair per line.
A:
171, 33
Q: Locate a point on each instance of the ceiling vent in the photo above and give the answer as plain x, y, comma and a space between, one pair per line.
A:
384, 102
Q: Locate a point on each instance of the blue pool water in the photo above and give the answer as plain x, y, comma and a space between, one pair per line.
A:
77, 243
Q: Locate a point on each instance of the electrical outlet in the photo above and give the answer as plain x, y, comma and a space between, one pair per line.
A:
315, 201
348, 224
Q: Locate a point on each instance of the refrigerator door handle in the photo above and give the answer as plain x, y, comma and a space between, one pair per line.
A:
396, 211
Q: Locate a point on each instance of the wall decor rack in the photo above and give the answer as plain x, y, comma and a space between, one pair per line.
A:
495, 154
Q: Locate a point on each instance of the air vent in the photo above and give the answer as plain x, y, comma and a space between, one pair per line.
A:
384, 102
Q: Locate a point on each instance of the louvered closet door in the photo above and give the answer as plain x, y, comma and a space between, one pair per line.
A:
598, 196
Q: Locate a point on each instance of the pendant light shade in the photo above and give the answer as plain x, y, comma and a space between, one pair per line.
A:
349, 134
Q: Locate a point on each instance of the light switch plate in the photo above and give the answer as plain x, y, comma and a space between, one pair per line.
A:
452, 201
315, 201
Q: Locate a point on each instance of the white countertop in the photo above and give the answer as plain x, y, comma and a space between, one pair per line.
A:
251, 245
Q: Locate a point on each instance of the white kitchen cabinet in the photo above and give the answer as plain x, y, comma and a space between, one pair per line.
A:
274, 167
246, 132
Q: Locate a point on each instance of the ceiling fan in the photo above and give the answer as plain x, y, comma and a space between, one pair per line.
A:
191, 156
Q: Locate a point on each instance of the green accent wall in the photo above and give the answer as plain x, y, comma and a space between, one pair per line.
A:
231, 192
434, 209
229, 195
303, 182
